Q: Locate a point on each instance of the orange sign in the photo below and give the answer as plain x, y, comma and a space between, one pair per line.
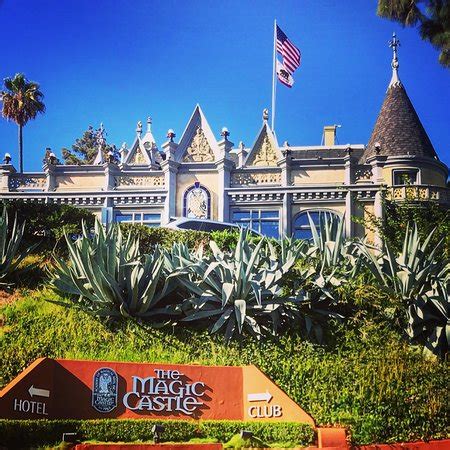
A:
57, 389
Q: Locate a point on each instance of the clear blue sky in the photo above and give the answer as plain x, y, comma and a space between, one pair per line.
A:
119, 61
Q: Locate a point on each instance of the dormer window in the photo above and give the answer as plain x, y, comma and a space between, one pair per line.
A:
406, 177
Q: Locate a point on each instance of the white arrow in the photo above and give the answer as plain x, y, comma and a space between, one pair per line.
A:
262, 396
39, 392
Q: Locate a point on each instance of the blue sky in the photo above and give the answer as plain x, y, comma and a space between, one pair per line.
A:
117, 62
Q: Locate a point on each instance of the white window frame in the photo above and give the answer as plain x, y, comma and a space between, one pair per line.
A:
259, 219
141, 221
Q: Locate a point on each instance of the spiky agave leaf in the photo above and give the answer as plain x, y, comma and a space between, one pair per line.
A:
10, 256
109, 277
234, 292
419, 276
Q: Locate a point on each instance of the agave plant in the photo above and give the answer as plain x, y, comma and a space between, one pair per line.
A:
429, 320
238, 291
109, 276
9, 247
330, 246
419, 276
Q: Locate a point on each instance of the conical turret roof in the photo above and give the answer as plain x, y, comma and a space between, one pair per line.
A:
398, 130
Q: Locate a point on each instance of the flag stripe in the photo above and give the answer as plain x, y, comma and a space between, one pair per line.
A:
291, 54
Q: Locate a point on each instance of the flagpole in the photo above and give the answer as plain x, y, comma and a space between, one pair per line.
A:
274, 84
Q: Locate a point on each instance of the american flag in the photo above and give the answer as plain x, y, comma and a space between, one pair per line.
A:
291, 54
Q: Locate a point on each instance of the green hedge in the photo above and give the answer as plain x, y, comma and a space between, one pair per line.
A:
46, 223
48, 432
149, 237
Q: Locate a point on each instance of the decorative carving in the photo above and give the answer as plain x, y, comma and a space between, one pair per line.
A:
196, 203
363, 174
150, 181
265, 154
276, 197
397, 193
27, 182
199, 149
316, 195
138, 158
139, 200
245, 179
420, 193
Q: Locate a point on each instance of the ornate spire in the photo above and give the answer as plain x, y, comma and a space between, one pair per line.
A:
139, 128
100, 136
394, 43
149, 124
398, 131
101, 142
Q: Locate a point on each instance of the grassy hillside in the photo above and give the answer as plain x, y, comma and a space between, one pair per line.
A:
369, 379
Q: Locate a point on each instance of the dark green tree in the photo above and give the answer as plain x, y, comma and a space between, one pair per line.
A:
85, 149
431, 16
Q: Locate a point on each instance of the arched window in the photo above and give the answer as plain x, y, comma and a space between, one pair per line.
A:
197, 202
302, 226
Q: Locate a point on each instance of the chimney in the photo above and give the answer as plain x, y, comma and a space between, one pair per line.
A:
329, 135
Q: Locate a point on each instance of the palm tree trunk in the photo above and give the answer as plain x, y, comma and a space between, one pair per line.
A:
20, 149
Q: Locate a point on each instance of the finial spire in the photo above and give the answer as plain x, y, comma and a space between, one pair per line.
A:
394, 43
139, 128
100, 137
149, 124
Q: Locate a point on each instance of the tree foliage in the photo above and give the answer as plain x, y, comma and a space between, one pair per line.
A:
431, 16
85, 149
22, 101
398, 215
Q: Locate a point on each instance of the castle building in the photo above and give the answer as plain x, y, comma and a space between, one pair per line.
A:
270, 187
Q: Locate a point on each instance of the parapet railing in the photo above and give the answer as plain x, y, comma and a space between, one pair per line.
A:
419, 192
27, 181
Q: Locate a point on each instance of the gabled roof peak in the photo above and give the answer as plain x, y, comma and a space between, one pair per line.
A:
197, 144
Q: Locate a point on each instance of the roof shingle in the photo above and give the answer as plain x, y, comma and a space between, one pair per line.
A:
398, 129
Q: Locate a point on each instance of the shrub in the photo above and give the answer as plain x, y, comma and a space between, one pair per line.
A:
149, 237
48, 432
46, 223
397, 215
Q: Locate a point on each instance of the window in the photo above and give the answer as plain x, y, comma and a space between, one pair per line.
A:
197, 202
149, 219
266, 222
302, 227
402, 177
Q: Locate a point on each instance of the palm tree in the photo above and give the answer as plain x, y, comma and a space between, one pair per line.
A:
22, 101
